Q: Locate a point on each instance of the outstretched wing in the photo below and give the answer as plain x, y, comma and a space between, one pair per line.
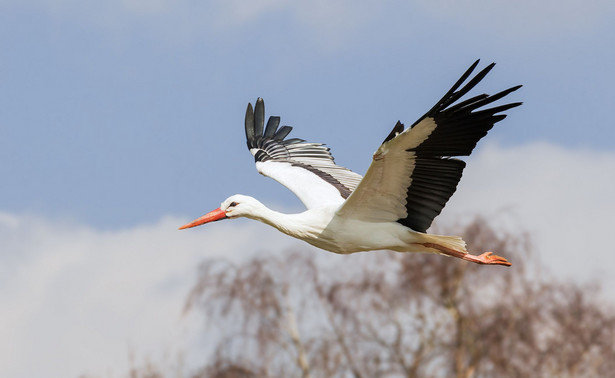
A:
307, 169
413, 174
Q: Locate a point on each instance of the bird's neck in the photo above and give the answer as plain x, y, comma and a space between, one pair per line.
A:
281, 221
297, 225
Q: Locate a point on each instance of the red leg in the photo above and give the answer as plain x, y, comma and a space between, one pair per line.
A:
487, 258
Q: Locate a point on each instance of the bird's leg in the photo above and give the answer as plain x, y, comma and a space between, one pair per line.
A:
487, 258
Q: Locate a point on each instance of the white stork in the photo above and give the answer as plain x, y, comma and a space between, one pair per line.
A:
411, 177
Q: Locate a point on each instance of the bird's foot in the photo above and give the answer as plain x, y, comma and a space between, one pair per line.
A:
487, 258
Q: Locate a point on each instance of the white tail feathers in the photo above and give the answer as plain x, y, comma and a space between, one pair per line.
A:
448, 243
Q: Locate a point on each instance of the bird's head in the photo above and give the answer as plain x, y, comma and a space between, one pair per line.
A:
233, 207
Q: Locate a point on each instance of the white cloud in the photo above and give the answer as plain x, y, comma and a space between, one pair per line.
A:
562, 197
328, 25
75, 299
338, 18
523, 18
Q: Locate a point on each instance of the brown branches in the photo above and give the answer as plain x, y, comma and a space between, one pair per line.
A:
390, 314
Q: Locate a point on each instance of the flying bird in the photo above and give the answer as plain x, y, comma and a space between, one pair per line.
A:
411, 177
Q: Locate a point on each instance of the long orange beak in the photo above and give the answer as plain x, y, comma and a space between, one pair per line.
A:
212, 216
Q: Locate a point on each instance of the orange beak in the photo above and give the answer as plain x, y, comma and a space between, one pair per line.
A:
212, 216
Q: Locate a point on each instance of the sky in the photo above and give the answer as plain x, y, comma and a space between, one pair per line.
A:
121, 120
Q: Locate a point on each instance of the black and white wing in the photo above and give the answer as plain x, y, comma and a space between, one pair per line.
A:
307, 169
413, 174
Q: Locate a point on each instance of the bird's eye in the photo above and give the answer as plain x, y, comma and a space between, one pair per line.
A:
233, 204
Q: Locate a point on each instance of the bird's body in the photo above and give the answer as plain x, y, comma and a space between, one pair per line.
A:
412, 176
324, 228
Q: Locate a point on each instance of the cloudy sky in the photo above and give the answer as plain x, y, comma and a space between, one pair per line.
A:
120, 120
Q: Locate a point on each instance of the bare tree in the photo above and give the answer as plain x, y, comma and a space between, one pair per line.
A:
383, 314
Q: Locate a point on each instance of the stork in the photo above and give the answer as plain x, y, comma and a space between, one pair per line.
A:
413, 174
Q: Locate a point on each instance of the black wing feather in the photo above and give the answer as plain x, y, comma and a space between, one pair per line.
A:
459, 127
314, 157
282, 133
272, 126
250, 135
399, 127
259, 118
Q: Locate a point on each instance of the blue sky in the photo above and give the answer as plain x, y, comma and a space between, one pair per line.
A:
122, 119
114, 113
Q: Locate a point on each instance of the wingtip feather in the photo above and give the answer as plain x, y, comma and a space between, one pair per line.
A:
249, 125
282, 133
272, 126
259, 117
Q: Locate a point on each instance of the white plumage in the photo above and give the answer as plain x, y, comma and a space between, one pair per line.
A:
412, 176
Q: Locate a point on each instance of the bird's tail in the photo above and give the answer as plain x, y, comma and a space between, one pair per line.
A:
444, 244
